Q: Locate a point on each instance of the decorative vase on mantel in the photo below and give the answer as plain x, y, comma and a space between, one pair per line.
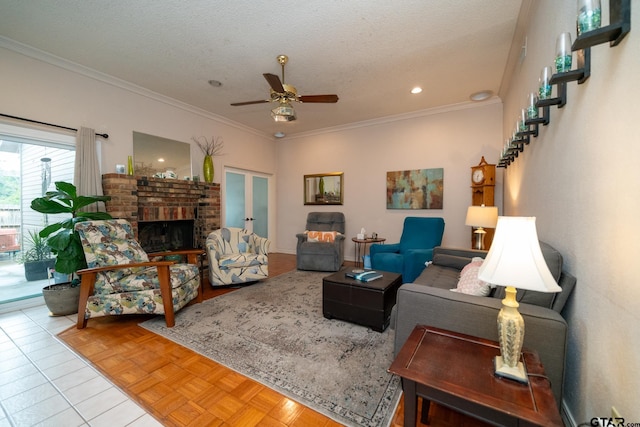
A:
207, 169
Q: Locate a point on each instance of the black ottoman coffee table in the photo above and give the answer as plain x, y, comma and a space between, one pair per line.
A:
365, 303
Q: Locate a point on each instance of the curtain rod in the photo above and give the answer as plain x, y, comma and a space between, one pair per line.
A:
104, 135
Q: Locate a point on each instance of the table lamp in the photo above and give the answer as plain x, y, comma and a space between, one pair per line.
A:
515, 260
480, 217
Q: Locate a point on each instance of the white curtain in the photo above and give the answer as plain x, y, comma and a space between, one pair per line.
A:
87, 177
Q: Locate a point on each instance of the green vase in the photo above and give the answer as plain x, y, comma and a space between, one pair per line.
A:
130, 165
207, 169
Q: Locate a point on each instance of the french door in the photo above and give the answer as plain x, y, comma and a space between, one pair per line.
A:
246, 203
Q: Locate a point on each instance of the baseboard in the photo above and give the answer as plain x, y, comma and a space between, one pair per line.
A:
567, 416
293, 252
21, 304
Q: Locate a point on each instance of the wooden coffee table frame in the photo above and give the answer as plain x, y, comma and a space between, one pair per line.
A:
456, 370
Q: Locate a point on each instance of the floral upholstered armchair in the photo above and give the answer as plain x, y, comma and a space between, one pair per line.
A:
121, 279
237, 256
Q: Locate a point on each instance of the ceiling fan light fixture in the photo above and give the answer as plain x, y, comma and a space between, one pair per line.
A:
283, 113
284, 94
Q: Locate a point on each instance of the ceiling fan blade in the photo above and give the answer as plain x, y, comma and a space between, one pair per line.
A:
237, 104
274, 82
318, 98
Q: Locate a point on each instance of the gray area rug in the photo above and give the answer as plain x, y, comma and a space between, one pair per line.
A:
274, 333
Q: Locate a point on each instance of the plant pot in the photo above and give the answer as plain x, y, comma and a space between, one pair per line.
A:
38, 270
61, 299
61, 277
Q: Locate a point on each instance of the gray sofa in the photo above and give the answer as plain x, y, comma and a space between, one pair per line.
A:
429, 301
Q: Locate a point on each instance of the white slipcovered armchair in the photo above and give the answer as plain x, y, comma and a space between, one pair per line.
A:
237, 256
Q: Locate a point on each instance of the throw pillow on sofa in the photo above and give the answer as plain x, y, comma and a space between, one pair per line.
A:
469, 282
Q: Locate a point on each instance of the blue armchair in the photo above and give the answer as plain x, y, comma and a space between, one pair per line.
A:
419, 237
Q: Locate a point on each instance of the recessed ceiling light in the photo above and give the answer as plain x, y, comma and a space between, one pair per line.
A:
161, 160
416, 90
279, 134
481, 96
215, 83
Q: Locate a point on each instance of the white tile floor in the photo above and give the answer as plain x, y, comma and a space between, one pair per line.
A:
44, 383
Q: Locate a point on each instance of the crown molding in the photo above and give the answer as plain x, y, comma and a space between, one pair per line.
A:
57, 61
399, 117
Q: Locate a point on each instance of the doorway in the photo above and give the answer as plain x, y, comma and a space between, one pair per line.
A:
246, 201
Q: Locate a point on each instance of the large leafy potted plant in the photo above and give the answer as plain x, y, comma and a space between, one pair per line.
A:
64, 241
37, 259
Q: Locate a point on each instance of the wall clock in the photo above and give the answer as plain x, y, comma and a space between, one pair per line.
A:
483, 174
477, 177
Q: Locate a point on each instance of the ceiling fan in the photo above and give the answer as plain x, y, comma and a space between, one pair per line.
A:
284, 94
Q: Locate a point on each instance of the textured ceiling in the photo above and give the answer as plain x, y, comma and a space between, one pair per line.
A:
370, 53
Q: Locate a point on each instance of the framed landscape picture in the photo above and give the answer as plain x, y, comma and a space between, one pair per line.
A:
415, 189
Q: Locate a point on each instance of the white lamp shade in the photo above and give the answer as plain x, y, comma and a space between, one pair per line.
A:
482, 216
515, 258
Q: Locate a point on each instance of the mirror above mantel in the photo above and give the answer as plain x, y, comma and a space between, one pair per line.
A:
154, 156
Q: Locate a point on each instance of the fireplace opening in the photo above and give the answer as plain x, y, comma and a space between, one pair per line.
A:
160, 236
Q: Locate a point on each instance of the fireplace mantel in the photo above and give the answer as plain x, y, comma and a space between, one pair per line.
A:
139, 198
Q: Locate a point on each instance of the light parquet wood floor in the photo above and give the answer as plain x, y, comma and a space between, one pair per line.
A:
182, 388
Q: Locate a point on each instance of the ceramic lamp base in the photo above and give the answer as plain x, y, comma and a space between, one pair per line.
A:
511, 338
517, 373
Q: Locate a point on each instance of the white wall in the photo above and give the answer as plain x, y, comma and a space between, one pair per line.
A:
38, 90
581, 179
454, 139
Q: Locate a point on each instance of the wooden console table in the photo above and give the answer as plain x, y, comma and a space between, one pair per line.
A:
456, 370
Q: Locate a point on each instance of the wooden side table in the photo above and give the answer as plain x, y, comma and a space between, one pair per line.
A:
361, 247
456, 370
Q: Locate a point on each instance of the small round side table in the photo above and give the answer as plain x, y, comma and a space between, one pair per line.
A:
361, 247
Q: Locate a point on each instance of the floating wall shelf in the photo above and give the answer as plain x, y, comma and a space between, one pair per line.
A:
544, 120
580, 75
620, 25
620, 18
533, 131
559, 100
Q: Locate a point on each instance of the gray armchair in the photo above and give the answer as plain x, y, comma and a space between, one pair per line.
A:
321, 255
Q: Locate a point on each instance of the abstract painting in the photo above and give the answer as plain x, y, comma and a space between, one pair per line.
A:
415, 189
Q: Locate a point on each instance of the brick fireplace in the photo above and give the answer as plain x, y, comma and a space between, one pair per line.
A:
169, 205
